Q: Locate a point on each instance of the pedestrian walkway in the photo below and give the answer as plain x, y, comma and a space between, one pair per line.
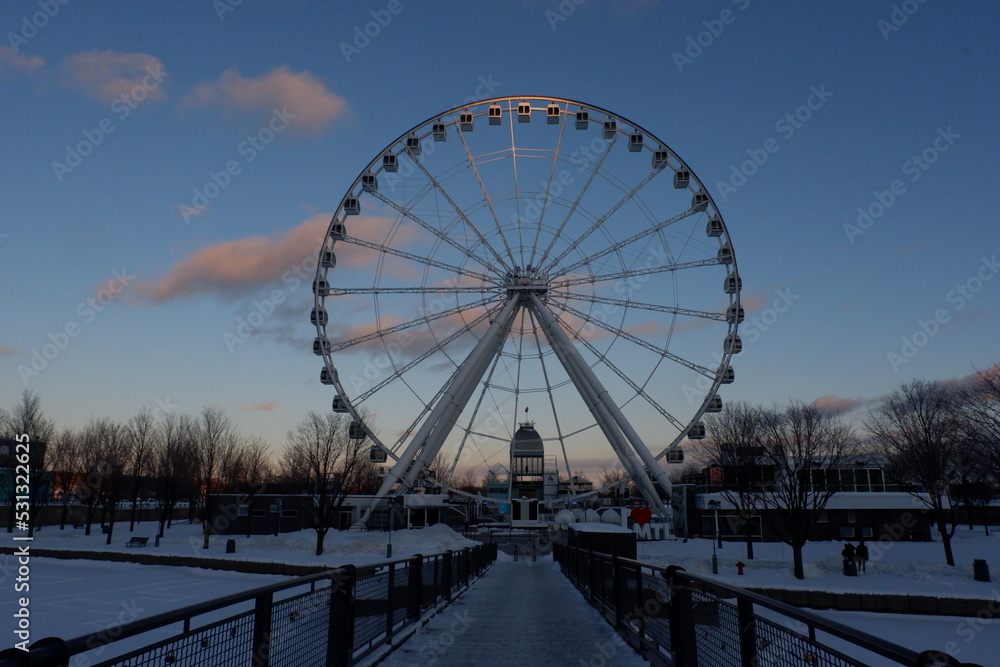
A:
519, 613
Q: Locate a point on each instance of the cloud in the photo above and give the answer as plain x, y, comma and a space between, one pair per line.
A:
107, 75
7, 351
266, 406
235, 269
832, 405
13, 62
305, 96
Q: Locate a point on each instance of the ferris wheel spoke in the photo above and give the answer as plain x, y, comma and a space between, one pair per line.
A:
603, 358
633, 273
426, 354
579, 197
402, 210
600, 221
640, 342
381, 333
429, 261
552, 402
548, 184
638, 236
375, 289
674, 310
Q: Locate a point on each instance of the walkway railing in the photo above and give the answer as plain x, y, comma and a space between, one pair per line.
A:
335, 618
675, 618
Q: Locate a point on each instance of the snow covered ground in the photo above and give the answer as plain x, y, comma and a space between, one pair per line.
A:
907, 568
71, 598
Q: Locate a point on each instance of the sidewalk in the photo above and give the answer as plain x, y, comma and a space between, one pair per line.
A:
524, 614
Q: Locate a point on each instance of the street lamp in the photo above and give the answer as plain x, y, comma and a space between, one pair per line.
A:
392, 505
714, 505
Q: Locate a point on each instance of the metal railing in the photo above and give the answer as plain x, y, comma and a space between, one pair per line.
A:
334, 618
677, 619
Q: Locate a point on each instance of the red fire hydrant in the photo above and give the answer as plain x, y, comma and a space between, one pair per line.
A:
739, 567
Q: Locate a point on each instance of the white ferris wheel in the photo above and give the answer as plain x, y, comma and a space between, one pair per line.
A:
527, 252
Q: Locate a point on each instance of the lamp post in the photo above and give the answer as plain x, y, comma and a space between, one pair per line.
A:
277, 525
714, 505
392, 505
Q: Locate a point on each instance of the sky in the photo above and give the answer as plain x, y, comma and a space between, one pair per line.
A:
168, 165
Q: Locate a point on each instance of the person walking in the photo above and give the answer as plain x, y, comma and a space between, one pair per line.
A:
861, 555
849, 553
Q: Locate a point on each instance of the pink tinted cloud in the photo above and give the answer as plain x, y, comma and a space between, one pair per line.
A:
266, 406
13, 62
314, 107
235, 268
831, 404
107, 75
7, 351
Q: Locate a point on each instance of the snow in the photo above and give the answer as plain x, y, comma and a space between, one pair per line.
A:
908, 568
341, 547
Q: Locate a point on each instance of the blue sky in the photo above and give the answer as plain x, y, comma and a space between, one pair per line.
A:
829, 300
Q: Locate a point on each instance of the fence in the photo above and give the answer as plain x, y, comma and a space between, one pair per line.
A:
677, 619
333, 618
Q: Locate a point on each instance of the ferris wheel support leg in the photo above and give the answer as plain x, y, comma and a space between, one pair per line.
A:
591, 391
462, 390
405, 469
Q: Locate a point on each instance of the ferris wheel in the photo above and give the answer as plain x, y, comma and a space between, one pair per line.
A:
527, 253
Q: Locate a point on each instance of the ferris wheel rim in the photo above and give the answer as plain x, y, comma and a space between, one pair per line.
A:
372, 167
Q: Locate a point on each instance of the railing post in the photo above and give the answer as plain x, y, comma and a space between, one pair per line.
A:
340, 645
466, 562
682, 638
748, 632
390, 603
446, 575
618, 588
590, 575
262, 630
416, 585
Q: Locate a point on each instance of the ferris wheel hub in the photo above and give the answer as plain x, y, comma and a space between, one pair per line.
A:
526, 280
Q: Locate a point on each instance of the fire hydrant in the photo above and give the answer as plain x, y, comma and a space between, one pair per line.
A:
739, 567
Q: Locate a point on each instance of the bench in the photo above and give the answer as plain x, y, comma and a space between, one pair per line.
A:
137, 542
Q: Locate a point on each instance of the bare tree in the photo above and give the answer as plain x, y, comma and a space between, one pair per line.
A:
214, 449
115, 462
90, 470
141, 434
470, 482
736, 444
979, 405
254, 471
172, 464
806, 449
918, 430
322, 458
64, 465
27, 418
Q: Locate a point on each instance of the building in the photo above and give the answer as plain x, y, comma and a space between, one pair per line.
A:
864, 506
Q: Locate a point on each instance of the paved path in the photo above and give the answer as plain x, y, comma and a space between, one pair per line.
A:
524, 614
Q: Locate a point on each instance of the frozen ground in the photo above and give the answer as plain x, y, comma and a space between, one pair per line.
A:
907, 568
341, 547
